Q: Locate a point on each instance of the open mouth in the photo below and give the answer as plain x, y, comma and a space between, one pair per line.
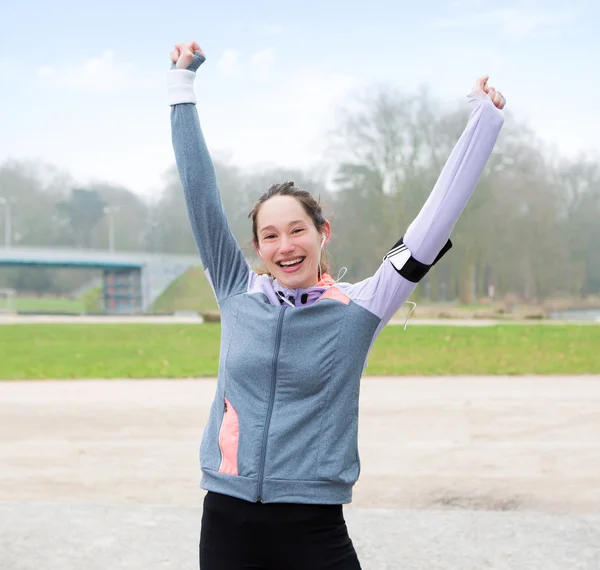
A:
291, 265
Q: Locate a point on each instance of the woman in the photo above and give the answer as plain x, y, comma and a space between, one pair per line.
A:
279, 454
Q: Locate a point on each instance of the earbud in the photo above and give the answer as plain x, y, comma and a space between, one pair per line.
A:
259, 254
323, 240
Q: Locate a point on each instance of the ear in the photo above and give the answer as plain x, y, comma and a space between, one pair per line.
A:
257, 250
326, 230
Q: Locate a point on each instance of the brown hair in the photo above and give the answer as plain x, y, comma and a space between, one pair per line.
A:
311, 206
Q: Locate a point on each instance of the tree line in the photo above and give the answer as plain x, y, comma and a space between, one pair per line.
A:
531, 228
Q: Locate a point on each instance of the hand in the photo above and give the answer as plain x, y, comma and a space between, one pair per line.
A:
481, 88
182, 54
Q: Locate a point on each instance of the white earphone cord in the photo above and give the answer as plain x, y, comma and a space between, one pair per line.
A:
343, 272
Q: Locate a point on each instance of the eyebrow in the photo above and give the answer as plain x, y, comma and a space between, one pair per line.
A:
290, 224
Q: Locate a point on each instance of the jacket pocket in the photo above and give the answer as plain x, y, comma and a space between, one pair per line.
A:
229, 435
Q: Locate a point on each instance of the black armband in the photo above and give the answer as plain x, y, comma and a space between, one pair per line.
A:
407, 266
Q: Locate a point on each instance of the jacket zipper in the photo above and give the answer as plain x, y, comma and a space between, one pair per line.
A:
271, 403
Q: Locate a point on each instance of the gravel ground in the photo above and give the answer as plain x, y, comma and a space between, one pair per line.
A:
458, 473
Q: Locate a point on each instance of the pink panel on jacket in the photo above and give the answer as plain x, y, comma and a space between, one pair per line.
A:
335, 294
228, 440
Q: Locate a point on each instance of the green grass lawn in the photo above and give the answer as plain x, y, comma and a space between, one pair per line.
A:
147, 351
45, 305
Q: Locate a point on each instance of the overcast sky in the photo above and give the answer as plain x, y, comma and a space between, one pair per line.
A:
82, 85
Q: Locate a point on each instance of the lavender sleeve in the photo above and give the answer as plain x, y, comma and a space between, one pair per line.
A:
384, 293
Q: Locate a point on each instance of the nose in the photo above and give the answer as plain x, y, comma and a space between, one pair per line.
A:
286, 244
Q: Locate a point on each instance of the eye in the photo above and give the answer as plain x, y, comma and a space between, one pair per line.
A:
297, 230
270, 236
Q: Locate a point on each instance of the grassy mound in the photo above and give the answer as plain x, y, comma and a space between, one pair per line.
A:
189, 292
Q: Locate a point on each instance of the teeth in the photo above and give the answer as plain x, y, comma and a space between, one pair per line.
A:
292, 262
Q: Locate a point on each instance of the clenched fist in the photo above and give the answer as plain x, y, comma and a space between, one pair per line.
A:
182, 54
481, 88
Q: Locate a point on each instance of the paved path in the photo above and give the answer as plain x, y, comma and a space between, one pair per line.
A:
91, 537
12, 319
458, 473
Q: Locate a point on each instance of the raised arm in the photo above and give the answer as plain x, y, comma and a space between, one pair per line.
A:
428, 234
221, 256
428, 237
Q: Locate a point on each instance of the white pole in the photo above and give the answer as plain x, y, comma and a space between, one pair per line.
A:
7, 222
111, 226
8, 239
111, 231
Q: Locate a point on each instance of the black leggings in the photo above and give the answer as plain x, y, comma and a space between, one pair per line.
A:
238, 535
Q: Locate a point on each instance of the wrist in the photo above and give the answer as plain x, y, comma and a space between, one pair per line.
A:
180, 86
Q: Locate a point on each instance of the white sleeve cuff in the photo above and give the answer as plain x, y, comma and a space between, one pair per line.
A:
180, 86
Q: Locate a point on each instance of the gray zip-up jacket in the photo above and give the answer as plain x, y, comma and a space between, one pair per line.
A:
283, 426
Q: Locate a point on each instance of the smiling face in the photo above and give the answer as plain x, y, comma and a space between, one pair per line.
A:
289, 243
